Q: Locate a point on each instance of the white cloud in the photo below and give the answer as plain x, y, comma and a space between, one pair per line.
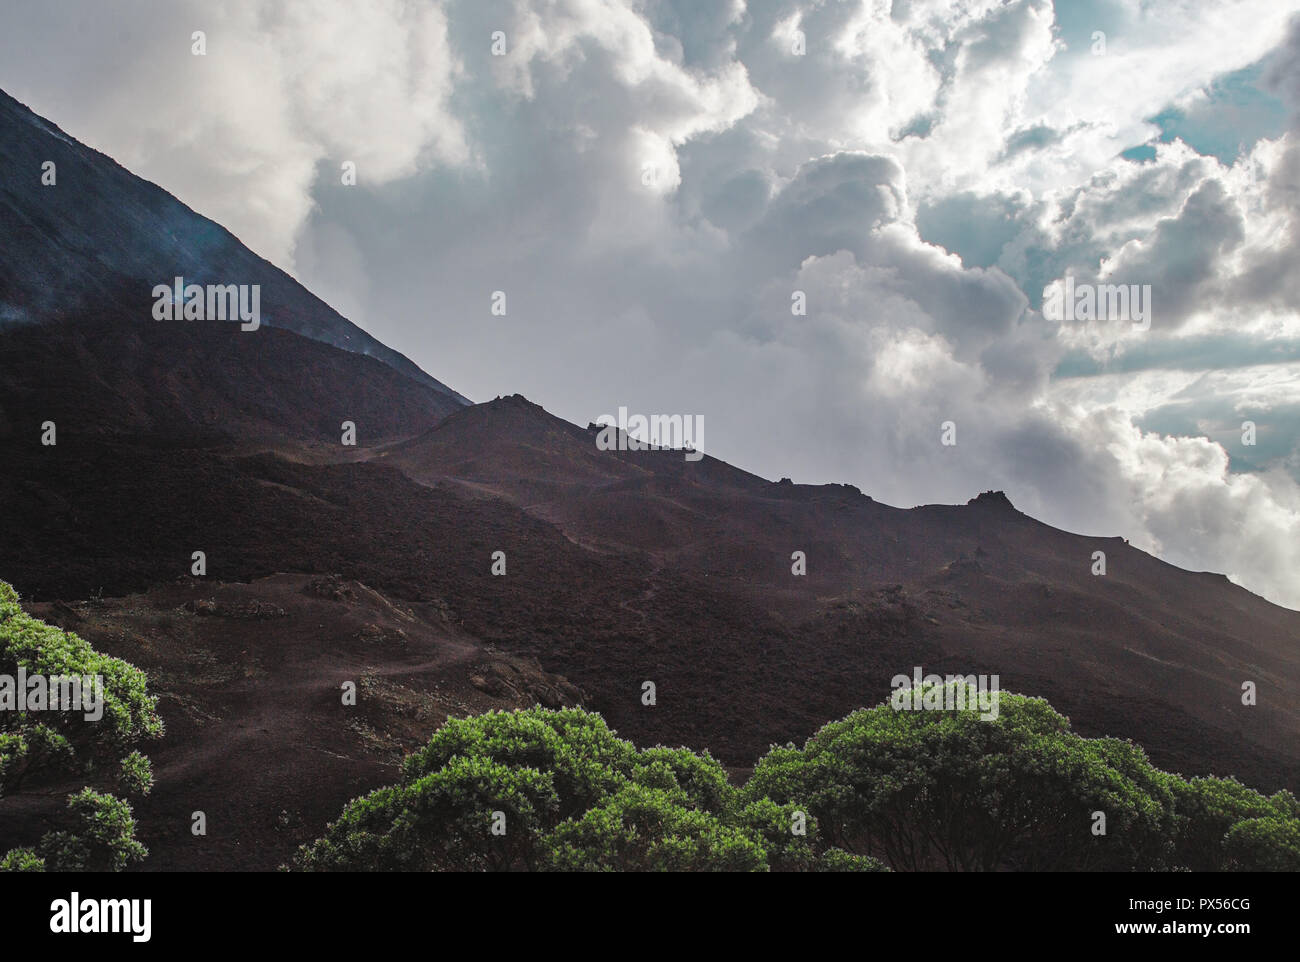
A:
242, 132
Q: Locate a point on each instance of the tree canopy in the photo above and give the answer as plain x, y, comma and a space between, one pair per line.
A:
910, 790
41, 746
559, 790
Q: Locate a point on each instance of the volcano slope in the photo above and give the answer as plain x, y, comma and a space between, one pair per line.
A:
97, 240
1147, 651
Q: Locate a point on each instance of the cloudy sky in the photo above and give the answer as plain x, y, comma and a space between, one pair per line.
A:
651, 181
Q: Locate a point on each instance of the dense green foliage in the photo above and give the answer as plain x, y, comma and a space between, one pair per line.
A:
948, 790
1224, 826
913, 790
651, 829
43, 747
558, 790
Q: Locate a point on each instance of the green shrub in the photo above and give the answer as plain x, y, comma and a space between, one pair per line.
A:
535, 768
43, 746
950, 790
1225, 826
1263, 845
880, 788
570, 796
642, 828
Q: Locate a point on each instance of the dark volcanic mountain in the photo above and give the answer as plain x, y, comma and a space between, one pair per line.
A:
374, 562
97, 241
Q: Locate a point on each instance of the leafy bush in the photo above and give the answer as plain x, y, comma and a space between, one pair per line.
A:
569, 794
534, 767
838, 860
910, 790
1225, 826
40, 747
700, 778
949, 790
1263, 845
774, 825
643, 828
102, 840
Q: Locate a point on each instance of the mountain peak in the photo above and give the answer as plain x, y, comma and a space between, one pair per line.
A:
997, 499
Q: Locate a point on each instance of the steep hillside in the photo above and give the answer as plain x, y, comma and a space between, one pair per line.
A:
97, 242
